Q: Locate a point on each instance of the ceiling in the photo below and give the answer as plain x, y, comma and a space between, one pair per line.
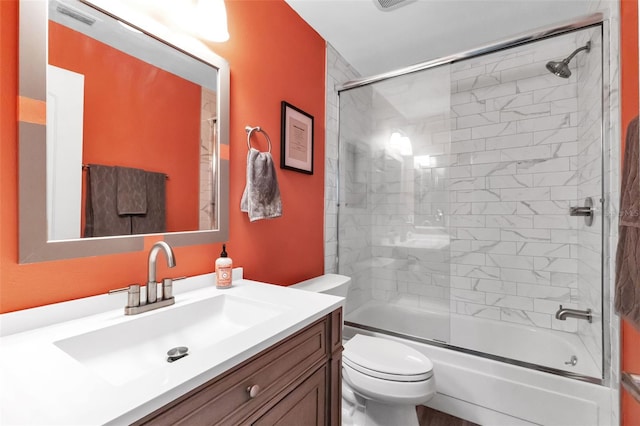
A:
374, 40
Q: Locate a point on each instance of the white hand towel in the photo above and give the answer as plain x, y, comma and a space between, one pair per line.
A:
261, 197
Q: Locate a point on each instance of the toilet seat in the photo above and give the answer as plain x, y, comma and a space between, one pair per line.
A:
386, 359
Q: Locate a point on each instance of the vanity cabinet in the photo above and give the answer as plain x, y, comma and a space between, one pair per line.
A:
297, 381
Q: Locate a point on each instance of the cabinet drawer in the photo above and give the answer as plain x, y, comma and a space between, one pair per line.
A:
304, 406
226, 400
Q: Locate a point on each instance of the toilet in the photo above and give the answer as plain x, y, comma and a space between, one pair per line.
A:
382, 379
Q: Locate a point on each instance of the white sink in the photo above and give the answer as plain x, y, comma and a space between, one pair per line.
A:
126, 351
84, 362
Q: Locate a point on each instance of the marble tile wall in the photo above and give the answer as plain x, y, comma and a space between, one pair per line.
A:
339, 71
410, 199
355, 254
514, 246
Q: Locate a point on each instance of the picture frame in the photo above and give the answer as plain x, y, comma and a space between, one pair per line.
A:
296, 139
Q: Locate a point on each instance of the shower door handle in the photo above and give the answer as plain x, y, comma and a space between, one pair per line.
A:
586, 211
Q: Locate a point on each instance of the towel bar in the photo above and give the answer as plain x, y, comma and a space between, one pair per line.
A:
250, 130
88, 166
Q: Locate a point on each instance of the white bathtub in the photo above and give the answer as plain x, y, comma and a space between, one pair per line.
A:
546, 348
490, 392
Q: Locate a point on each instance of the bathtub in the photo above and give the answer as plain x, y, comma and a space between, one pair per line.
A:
492, 390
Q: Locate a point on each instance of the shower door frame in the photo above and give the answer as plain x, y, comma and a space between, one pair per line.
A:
607, 203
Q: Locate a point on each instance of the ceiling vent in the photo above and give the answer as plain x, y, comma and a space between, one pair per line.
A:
391, 4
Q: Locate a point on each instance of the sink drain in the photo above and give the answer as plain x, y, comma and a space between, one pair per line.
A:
176, 353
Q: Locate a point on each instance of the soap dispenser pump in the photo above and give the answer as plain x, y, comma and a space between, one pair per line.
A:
224, 266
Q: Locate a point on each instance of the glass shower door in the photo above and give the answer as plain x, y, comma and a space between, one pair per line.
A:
394, 203
456, 187
534, 150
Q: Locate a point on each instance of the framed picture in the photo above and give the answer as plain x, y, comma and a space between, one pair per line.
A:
296, 133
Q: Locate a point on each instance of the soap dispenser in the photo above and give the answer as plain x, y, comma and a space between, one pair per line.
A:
224, 266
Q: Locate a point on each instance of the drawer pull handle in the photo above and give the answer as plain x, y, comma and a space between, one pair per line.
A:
253, 391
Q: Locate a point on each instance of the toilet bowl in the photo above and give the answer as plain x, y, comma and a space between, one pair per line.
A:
382, 380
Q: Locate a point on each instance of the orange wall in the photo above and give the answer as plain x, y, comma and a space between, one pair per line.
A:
155, 129
629, 109
273, 56
272, 59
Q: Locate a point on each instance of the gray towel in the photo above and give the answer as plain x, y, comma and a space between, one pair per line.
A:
101, 212
132, 191
627, 286
261, 197
155, 219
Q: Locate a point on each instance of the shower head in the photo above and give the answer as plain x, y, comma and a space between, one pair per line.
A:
561, 68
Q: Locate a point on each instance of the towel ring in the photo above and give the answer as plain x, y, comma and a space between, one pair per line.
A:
250, 130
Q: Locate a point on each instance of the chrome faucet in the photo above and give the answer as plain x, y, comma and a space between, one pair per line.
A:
134, 305
563, 313
152, 284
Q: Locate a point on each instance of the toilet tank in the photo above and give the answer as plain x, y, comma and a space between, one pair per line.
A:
334, 284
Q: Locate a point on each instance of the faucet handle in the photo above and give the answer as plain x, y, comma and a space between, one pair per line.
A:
133, 294
167, 287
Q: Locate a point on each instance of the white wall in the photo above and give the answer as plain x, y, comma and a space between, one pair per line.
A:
65, 112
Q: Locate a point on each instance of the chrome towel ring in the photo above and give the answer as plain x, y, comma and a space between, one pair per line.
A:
250, 130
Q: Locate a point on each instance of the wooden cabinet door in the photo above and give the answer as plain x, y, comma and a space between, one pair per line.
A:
299, 381
225, 400
304, 406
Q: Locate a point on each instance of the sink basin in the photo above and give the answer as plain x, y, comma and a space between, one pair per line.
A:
123, 352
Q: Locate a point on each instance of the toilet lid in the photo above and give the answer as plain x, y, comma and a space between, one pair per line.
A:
386, 359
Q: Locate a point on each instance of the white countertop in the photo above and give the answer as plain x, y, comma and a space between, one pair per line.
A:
42, 384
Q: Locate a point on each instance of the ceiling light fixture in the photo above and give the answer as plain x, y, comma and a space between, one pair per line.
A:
211, 20
205, 19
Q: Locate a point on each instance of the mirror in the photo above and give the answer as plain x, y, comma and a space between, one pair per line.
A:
172, 93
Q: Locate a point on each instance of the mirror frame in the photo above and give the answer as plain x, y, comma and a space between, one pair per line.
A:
34, 245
